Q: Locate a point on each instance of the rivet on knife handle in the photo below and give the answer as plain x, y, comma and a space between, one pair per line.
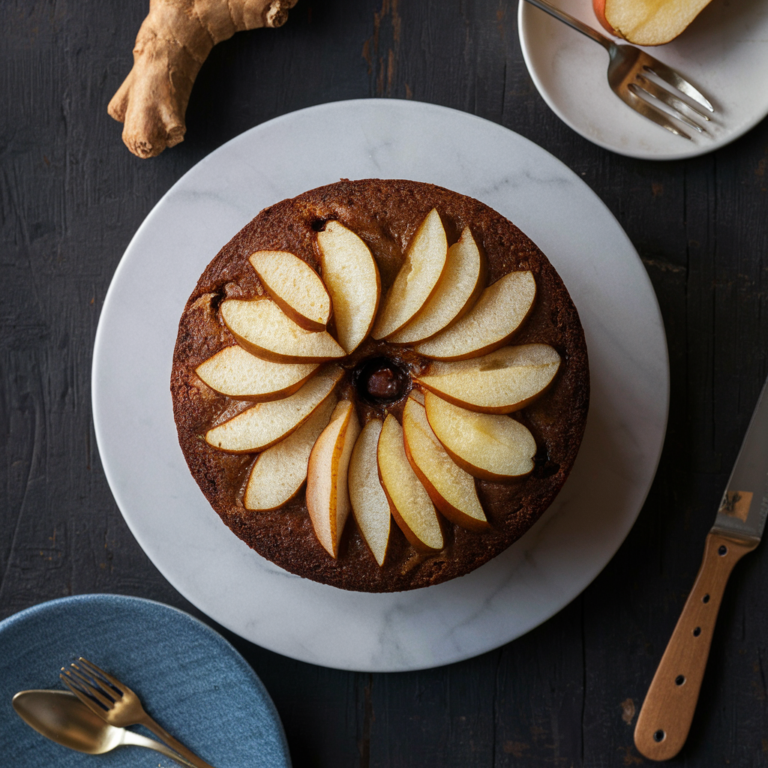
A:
667, 712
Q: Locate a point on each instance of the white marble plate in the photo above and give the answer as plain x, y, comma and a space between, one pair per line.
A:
502, 600
724, 52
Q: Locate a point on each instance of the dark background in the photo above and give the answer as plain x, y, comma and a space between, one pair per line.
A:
71, 197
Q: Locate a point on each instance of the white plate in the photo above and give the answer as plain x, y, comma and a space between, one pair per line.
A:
724, 52
502, 600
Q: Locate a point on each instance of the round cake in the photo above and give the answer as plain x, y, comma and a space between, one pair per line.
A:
380, 385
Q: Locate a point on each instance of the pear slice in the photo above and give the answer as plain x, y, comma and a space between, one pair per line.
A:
503, 381
352, 278
264, 424
327, 490
295, 287
410, 503
417, 279
262, 328
647, 22
451, 488
369, 502
280, 471
236, 373
460, 286
499, 312
490, 447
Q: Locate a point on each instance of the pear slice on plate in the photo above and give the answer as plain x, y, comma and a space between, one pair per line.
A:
327, 489
279, 472
647, 22
352, 278
295, 287
501, 382
500, 311
263, 329
409, 501
487, 446
460, 286
236, 373
369, 502
263, 424
417, 279
451, 488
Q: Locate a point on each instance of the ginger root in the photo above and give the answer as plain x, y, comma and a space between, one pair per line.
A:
173, 42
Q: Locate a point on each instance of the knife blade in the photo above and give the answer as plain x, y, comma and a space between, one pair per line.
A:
744, 507
667, 712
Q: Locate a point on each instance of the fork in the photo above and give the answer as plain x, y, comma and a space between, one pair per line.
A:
117, 703
628, 76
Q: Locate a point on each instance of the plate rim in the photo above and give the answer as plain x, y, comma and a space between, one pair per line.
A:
524, 20
405, 104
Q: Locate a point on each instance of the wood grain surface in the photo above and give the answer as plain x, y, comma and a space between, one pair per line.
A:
71, 197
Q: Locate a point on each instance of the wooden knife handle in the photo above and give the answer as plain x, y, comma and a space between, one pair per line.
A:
667, 712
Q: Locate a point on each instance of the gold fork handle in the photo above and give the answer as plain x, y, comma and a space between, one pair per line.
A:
667, 713
161, 733
129, 738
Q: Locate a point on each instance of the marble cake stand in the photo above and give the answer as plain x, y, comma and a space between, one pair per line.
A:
518, 590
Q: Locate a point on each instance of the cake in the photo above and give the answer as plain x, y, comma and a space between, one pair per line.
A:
407, 349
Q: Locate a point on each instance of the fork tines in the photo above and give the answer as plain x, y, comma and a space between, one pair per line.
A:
683, 112
659, 103
88, 679
663, 72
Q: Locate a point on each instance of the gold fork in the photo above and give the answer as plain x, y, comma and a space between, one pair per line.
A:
116, 703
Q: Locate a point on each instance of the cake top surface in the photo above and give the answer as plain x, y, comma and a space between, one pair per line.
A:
362, 378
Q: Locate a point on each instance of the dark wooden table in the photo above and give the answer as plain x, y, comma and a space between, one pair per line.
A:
71, 197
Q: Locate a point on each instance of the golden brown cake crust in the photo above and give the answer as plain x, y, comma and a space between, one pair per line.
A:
385, 214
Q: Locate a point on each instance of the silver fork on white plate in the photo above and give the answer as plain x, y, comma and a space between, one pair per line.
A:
636, 78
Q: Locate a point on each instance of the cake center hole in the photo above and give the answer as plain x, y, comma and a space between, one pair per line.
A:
382, 381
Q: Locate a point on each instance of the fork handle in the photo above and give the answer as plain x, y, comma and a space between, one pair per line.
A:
131, 739
579, 26
161, 733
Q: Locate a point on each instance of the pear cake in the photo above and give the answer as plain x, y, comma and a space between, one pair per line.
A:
380, 385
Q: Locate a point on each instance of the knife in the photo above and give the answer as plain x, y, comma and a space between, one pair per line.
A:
667, 711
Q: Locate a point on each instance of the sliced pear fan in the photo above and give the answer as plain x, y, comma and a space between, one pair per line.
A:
352, 278
487, 446
417, 279
460, 286
280, 471
451, 488
264, 424
499, 312
501, 382
239, 374
369, 502
295, 287
327, 490
409, 501
450, 435
262, 328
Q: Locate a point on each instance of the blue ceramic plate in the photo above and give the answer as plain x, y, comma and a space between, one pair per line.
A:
191, 680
